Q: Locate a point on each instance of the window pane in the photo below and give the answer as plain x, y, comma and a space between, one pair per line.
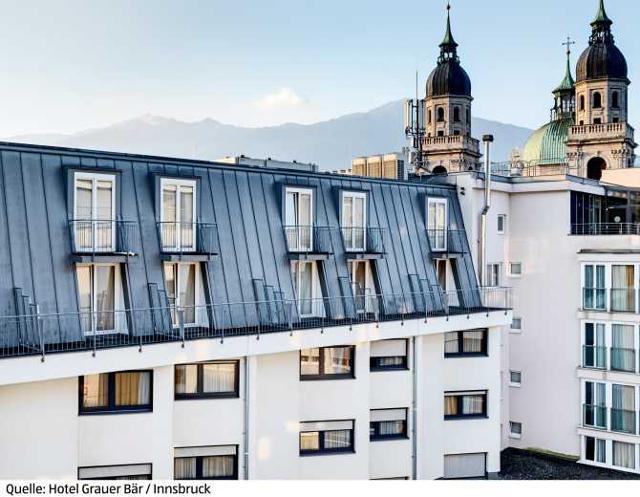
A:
186, 379
219, 378
310, 362
104, 200
84, 199
187, 282
184, 468
105, 297
451, 343
95, 391
337, 360
85, 296
624, 455
218, 466
450, 405
473, 404
133, 389
337, 439
390, 428
310, 441
472, 341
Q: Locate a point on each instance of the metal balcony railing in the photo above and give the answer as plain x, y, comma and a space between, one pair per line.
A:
594, 416
365, 240
309, 239
450, 241
609, 229
188, 238
623, 299
623, 421
594, 299
623, 359
41, 333
594, 357
91, 236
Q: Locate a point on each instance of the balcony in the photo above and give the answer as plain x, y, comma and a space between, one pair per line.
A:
184, 241
364, 241
447, 241
446, 143
605, 229
614, 131
594, 416
594, 357
623, 421
39, 333
95, 239
309, 242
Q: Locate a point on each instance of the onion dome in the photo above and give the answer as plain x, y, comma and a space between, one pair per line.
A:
547, 145
448, 78
602, 58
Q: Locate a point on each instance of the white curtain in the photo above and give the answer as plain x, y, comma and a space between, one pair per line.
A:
622, 297
218, 466
186, 379
133, 389
473, 404
451, 343
472, 341
624, 455
218, 378
184, 468
339, 439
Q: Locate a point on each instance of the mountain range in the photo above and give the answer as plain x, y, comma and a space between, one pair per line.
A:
330, 144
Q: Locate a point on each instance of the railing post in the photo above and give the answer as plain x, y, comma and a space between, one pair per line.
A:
40, 332
290, 315
181, 323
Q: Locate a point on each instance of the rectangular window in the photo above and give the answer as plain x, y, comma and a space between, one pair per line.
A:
180, 282
207, 380
388, 424
516, 269
623, 413
515, 378
119, 472
354, 221
595, 450
465, 343
327, 363
441, 273
206, 463
305, 285
594, 353
437, 223
516, 325
326, 437
594, 291
623, 348
502, 224
493, 275
465, 405
97, 299
624, 455
460, 466
623, 293
299, 219
125, 391
178, 215
361, 285
389, 355
515, 429
94, 212
595, 410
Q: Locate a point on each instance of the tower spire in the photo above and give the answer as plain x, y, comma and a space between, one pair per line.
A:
568, 82
601, 16
448, 47
601, 27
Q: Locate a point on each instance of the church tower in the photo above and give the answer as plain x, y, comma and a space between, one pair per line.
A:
448, 145
601, 138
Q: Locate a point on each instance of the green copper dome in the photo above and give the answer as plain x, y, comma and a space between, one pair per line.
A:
548, 144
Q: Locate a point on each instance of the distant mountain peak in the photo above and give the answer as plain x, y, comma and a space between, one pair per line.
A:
332, 144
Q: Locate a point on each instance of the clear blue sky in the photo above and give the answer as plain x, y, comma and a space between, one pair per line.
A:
72, 64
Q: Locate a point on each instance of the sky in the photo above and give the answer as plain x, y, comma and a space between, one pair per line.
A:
70, 65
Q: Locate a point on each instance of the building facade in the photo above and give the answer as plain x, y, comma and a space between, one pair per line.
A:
165, 318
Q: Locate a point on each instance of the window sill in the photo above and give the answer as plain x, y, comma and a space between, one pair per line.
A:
466, 417
389, 369
394, 438
145, 410
327, 378
464, 355
319, 453
214, 396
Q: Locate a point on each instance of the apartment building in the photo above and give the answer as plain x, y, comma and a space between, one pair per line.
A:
164, 318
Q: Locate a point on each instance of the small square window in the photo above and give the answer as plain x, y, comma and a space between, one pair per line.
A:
502, 224
515, 378
516, 325
515, 430
516, 269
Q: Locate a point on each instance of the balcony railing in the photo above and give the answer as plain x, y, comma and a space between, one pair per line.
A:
610, 229
309, 239
594, 299
623, 299
365, 240
623, 421
90, 236
594, 416
450, 241
594, 357
188, 238
623, 359
42, 333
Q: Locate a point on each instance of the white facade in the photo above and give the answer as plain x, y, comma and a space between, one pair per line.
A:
49, 438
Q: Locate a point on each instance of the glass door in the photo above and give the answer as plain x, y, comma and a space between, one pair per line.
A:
178, 214
359, 275
437, 220
96, 288
354, 221
594, 346
94, 223
595, 404
303, 280
594, 287
299, 220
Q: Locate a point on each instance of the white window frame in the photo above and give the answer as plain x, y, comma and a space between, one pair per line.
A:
179, 184
369, 288
515, 274
513, 435
493, 266
299, 243
119, 319
503, 218
314, 285
199, 311
513, 330
354, 228
515, 384
94, 178
438, 201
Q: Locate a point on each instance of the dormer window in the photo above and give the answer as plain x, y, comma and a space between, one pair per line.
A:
437, 219
178, 215
94, 212
354, 221
299, 219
